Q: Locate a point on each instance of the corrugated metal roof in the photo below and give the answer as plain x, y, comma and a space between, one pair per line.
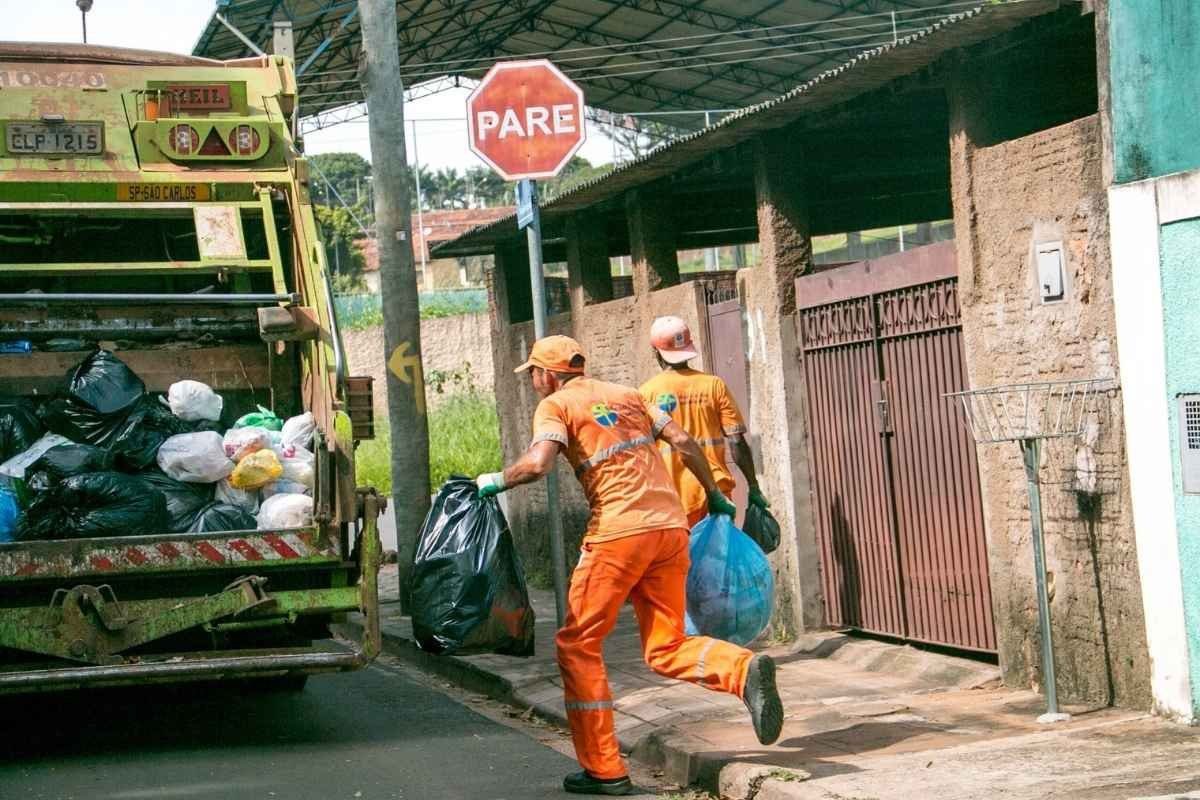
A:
629, 55
863, 73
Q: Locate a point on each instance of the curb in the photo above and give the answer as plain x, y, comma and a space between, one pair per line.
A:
680, 757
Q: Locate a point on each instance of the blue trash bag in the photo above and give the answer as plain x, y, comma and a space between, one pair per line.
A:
9, 511
730, 588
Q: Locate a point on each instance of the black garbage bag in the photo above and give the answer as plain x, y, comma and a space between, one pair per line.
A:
762, 527
104, 383
100, 392
65, 460
466, 587
135, 443
185, 501
94, 505
19, 426
218, 517
81, 423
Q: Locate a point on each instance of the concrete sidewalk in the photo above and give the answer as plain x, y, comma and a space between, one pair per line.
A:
865, 721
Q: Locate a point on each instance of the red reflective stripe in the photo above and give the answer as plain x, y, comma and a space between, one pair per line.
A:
280, 546
102, 563
169, 550
211, 553
135, 556
246, 549
28, 569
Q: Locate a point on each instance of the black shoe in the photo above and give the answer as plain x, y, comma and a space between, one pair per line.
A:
583, 783
762, 699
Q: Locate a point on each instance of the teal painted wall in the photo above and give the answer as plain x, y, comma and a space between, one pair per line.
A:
1180, 255
1154, 61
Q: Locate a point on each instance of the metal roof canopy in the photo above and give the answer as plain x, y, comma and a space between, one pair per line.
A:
852, 79
630, 56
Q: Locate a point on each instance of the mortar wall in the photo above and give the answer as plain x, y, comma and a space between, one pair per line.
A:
451, 344
1007, 198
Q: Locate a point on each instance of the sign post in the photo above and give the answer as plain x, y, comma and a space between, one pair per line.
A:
525, 119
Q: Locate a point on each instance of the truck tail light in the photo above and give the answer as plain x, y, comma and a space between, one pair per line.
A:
184, 139
244, 140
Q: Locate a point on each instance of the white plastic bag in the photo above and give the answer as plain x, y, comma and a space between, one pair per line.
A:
298, 466
229, 494
195, 458
285, 511
15, 467
193, 401
284, 486
298, 431
241, 442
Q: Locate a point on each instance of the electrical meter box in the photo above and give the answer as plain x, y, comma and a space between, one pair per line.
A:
1189, 442
1050, 272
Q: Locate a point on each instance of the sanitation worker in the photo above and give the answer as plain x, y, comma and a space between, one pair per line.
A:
635, 547
704, 407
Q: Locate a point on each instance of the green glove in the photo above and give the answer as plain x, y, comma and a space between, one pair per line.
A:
757, 499
720, 504
490, 484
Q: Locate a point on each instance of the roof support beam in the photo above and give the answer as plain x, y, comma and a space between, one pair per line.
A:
324, 45
241, 36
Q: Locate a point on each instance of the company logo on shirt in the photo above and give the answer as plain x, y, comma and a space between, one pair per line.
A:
604, 415
667, 402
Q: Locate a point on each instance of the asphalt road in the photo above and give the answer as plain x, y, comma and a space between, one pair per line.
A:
377, 733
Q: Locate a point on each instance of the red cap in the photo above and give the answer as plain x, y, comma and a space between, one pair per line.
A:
672, 338
555, 353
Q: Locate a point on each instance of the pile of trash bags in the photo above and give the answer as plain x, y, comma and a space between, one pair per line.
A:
106, 458
466, 588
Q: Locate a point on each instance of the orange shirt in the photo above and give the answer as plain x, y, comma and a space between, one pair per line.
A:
609, 437
703, 406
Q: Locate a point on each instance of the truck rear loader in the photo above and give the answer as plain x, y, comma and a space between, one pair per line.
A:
158, 206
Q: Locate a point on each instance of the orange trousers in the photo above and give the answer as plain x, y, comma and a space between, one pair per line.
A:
650, 569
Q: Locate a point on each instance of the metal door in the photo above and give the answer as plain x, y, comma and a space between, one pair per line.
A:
726, 356
895, 480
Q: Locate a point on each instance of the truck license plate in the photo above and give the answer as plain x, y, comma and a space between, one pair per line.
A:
59, 138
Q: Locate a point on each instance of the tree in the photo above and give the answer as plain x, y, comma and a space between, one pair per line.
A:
339, 231
347, 172
486, 188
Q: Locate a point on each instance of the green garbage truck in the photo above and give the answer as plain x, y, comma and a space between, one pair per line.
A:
157, 206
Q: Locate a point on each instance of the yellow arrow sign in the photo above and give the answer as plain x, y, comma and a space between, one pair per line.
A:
407, 368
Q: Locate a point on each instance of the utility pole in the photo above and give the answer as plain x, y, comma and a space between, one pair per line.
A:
384, 91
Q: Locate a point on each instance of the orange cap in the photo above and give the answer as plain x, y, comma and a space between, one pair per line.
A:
672, 338
555, 353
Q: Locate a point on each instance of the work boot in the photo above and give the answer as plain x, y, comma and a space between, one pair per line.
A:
762, 699
583, 783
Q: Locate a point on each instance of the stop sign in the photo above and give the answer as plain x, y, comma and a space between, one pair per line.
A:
525, 119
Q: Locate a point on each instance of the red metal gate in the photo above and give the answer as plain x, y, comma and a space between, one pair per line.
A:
725, 352
896, 486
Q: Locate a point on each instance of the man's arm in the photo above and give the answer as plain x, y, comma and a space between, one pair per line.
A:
693, 458
533, 465
744, 458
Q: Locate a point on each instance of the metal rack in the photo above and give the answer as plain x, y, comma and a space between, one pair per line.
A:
1027, 413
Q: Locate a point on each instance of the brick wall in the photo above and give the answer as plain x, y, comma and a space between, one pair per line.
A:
1008, 198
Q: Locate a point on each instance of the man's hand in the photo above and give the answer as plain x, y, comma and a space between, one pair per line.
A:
490, 484
720, 504
757, 499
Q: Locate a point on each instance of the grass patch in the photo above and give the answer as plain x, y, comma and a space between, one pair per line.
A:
464, 438
358, 311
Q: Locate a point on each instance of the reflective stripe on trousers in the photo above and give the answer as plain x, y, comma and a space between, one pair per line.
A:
651, 570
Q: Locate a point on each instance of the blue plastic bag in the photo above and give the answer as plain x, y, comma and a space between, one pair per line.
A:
730, 588
9, 510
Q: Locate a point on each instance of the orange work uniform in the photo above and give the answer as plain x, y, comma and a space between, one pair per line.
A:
636, 547
704, 407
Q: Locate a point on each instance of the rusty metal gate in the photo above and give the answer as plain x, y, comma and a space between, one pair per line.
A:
896, 485
726, 355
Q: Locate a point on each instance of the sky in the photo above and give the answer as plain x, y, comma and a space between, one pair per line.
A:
175, 25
